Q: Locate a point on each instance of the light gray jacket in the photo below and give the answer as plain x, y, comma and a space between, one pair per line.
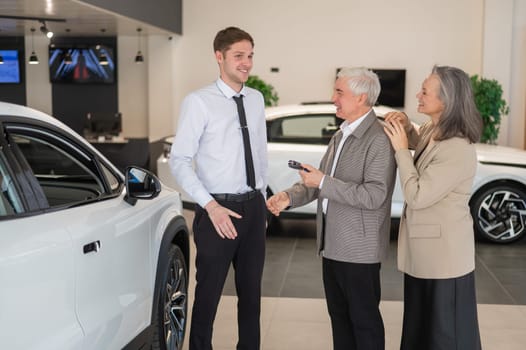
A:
357, 221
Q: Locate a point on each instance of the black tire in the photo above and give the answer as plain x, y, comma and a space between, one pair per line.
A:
171, 310
499, 213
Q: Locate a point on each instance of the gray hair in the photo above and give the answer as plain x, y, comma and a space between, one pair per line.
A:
460, 116
362, 81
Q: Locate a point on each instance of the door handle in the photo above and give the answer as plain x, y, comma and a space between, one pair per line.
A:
92, 247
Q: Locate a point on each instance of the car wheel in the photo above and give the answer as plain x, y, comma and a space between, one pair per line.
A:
499, 213
170, 319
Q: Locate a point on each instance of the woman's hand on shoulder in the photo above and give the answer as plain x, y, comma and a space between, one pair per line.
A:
395, 130
401, 117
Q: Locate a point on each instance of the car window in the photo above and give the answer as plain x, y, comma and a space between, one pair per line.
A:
10, 202
309, 129
63, 177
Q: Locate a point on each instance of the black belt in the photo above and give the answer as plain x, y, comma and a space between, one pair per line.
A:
235, 197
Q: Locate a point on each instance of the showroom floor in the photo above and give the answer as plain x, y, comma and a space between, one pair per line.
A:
294, 315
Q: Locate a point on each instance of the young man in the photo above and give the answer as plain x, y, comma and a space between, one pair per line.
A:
353, 187
228, 185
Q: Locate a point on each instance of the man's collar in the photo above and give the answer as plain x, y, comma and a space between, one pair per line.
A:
368, 120
347, 126
227, 90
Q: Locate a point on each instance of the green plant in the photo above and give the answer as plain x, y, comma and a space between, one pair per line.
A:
491, 106
269, 94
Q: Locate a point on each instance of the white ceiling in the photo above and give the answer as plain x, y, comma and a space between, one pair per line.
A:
81, 20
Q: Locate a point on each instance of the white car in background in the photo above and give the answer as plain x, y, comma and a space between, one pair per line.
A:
90, 258
301, 132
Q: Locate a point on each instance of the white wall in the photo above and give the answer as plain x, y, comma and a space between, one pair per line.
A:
38, 87
309, 39
160, 86
497, 50
133, 88
517, 90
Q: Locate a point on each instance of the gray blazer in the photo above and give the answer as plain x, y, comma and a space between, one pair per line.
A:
358, 217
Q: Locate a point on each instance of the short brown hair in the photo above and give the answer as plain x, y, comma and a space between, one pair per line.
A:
228, 36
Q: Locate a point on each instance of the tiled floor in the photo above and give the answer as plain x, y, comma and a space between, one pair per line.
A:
294, 314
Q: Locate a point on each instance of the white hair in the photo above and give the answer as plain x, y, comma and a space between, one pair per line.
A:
362, 81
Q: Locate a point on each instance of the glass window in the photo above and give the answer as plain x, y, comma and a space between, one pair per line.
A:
309, 129
63, 177
10, 202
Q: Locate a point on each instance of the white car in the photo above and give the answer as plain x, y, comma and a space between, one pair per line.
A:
301, 132
90, 258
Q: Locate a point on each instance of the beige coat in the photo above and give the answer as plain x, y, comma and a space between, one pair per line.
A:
436, 230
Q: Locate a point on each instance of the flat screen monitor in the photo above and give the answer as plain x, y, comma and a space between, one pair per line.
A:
10, 69
107, 124
392, 82
83, 65
393, 87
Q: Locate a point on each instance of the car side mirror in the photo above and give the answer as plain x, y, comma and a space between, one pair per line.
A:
140, 184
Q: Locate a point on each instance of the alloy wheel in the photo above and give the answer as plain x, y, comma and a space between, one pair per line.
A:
501, 215
175, 305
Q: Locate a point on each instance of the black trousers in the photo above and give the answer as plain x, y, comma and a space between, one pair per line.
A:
214, 255
353, 298
440, 314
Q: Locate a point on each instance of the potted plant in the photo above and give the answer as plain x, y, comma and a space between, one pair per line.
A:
269, 94
491, 106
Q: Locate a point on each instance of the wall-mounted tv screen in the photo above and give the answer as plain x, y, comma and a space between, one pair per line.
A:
392, 82
393, 87
10, 69
91, 64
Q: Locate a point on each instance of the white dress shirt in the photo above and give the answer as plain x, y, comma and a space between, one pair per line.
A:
347, 129
209, 135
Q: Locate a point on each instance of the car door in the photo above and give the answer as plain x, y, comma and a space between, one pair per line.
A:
109, 239
37, 281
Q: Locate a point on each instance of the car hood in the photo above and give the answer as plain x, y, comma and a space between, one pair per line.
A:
500, 155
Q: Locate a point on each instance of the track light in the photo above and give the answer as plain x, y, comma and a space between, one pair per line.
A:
45, 30
103, 59
139, 57
33, 59
67, 58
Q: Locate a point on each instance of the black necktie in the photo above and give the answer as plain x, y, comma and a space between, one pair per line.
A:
249, 163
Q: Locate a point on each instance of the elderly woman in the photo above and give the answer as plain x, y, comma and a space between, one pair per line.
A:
436, 241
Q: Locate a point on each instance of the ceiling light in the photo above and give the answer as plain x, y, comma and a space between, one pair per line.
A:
139, 57
103, 59
67, 58
45, 30
33, 59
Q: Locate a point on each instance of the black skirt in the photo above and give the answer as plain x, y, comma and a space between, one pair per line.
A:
440, 314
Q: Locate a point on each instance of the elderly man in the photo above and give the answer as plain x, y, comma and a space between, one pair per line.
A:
354, 185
